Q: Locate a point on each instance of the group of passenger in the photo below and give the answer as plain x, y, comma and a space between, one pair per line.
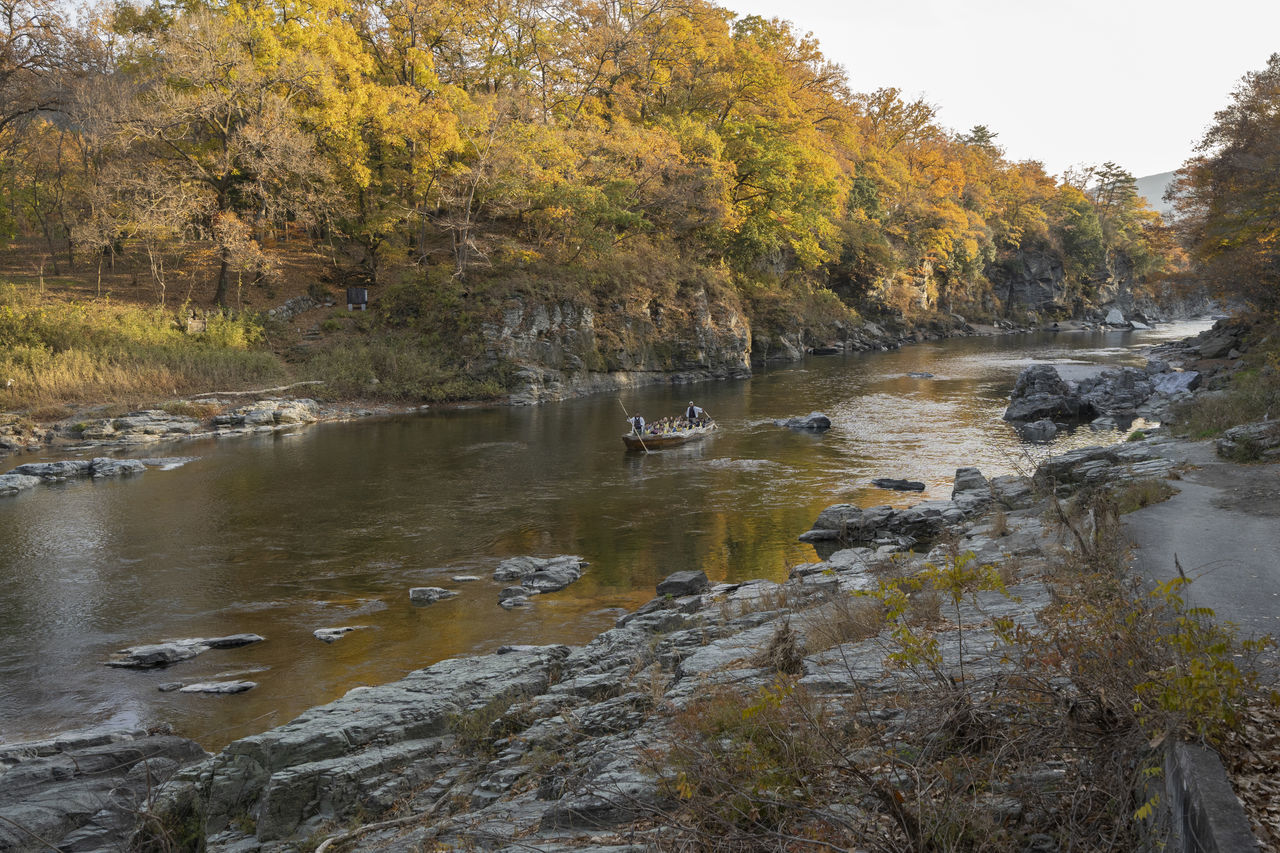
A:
694, 416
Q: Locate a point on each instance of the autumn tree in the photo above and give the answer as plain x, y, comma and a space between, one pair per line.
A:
1227, 196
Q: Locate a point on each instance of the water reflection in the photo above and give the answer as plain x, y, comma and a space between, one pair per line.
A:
330, 526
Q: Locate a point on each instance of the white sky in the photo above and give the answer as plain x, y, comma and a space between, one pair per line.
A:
1068, 83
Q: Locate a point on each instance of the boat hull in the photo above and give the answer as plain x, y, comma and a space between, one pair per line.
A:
670, 439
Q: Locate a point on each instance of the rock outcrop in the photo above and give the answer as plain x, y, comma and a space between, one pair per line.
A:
556, 748
897, 529
17, 433
1033, 280
1256, 442
84, 791
560, 350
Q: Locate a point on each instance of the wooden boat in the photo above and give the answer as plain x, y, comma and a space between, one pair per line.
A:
653, 441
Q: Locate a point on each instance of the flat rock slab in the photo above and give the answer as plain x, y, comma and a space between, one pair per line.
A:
362, 753
332, 635
218, 687
173, 651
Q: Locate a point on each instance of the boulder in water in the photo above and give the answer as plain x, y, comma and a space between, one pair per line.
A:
1041, 430
814, 422
898, 485
541, 574
429, 594
689, 582
1041, 393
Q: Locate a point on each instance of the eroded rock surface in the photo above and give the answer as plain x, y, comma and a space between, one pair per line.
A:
83, 791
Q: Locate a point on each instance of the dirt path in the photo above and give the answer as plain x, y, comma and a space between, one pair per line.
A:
1223, 529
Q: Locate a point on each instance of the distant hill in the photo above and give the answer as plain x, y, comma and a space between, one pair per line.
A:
1152, 188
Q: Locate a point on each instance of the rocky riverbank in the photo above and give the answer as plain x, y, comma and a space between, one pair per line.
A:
227, 415
554, 747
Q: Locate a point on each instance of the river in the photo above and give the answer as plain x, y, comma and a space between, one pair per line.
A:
331, 525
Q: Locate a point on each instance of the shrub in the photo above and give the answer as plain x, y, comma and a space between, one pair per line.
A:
1252, 396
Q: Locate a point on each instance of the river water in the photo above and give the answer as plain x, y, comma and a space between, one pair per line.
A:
332, 524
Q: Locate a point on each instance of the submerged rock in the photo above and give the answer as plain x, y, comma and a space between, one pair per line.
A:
814, 422
514, 596
11, 484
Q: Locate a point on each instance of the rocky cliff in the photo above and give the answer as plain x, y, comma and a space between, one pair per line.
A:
570, 348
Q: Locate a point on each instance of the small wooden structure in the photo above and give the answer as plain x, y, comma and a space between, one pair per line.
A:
357, 298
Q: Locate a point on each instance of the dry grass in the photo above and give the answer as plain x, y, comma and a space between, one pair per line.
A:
57, 354
843, 619
1137, 494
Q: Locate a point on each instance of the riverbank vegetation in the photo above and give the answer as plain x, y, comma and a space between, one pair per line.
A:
1063, 744
238, 154
55, 352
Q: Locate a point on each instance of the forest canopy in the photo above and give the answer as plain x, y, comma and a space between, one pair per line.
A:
464, 141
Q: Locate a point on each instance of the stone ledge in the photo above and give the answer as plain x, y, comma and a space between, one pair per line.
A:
1203, 812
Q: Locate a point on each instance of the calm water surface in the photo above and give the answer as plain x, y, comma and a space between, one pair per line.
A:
333, 524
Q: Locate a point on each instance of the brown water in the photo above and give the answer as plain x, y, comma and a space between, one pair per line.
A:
331, 525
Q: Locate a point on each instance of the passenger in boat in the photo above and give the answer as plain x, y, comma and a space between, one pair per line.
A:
637, 424
695, 414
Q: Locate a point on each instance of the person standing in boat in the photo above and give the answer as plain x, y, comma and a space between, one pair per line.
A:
695, 414
637, 424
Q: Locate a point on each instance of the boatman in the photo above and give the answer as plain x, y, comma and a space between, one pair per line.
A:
637, 424
694, 414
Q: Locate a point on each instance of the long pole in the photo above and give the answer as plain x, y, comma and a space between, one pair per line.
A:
633, 429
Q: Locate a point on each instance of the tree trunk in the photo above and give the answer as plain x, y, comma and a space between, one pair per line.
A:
224, 265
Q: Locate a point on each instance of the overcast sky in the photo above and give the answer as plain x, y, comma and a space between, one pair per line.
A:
1068, 83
